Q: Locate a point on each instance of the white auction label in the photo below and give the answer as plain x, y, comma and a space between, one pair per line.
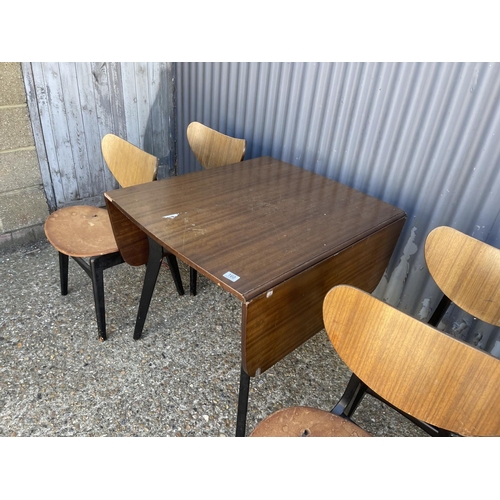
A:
231, 276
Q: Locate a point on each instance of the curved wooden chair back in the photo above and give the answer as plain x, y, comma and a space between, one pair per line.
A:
213, 149
129, 164
418, 369
467, 271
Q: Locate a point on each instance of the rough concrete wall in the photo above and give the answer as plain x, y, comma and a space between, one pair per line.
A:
23, 206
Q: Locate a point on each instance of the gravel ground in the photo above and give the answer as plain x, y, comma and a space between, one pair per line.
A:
180, 379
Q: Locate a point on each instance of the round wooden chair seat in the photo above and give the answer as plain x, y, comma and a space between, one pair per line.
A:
81, 231
302, 421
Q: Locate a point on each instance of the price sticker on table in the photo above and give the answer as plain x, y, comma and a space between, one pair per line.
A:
231, 276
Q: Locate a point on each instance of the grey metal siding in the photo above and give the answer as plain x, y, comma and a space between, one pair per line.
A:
422, 136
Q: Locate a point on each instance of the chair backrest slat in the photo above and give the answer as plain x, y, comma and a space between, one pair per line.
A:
213, 149
129, 164
420, 370
467, 271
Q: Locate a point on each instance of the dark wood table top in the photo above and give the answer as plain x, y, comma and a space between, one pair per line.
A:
261, 220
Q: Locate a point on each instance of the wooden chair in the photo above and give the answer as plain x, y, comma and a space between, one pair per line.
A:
212, 149
468, 272
85, 232
415, 367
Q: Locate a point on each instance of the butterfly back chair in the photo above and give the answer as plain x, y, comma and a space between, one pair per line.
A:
468, 273
85, 233
416, 368
212, 149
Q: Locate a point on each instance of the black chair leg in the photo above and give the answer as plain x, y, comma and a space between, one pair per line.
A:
353, 395
152, 269
97, 277
438, 314
241, 420
193, 275
95, 270
355, 392
63, 272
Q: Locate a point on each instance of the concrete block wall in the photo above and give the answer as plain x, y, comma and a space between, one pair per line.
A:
23, 205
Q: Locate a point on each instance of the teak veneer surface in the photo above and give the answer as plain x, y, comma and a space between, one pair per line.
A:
466, 270
294, 307
129, 164
212, 148
417, 368
81, 231
302, 421
263, 220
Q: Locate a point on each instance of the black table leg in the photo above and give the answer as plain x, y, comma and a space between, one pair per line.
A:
193, 274
241, 420
155, 258
174, 270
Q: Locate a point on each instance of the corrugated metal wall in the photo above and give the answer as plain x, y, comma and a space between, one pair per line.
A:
422, 136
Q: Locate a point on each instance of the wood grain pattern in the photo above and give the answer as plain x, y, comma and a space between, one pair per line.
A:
37, 128
213, 149
467, 271
281, 319
129, 164
81, 231
86, 231
83, 171
50, 98
93, 119
73, 105
132, 242
288, 235
302, 421
261, 219
419, 369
